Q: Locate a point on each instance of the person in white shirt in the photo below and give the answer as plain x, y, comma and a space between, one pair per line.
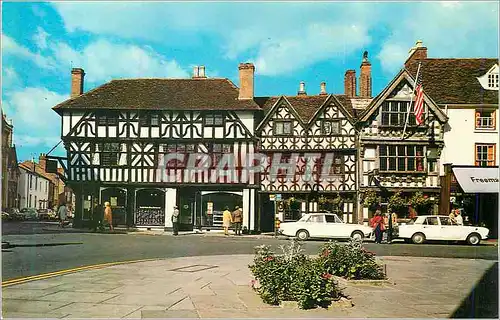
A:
459, 219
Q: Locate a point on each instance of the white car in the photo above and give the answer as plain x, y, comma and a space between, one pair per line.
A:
436, 227
323, 225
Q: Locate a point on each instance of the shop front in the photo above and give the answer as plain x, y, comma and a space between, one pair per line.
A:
474, 190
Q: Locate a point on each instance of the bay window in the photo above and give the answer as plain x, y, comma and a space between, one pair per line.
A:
401, 158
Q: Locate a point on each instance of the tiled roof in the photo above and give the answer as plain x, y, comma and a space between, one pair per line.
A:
305, 106
28, 165
454, 81
158, 94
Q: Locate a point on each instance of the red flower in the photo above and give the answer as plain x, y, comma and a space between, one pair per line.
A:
268, 258
326, 276
425, 196
326, 253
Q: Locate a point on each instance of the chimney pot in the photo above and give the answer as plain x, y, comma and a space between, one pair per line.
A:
196, 72
201, 72
77, 77
418, 52
246, 90
365, 78
302, 89
322, 88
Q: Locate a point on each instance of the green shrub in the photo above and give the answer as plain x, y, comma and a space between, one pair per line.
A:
350, 261
292, 276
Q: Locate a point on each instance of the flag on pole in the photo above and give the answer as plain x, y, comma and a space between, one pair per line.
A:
418, 109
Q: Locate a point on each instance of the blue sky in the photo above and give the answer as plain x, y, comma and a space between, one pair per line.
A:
288, 43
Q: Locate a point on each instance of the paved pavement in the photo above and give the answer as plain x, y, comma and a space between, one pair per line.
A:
218, 287
33, 254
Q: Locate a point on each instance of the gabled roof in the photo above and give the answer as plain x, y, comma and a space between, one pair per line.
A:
402, 75
161, 94
454, 81
306, 106
28, 165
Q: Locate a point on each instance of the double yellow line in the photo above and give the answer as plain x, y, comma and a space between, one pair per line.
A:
67, 271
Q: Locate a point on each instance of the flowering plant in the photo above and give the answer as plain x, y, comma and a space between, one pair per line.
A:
350, 261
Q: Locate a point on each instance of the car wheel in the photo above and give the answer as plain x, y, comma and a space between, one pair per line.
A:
357, 235
418, 238
474, 239
302, 234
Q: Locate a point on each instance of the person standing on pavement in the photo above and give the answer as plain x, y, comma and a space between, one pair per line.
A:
237, 220
62, 213
378, 225
175, 221
227, 219
452, 217
108, 215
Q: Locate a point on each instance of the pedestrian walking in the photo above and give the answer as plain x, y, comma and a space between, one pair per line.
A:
378, 225
108, 215
227, 219
175, 220
237, 220
62, 213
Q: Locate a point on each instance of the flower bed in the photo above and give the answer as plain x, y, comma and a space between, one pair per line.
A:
293, 276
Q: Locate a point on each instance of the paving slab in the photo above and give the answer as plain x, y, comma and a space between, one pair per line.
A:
206, 302
17, 293
185, 304
92, 310
87, 287
169, 314
31, 306
71, 296
33, 315
147, 300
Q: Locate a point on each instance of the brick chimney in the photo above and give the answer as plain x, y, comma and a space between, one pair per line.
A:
77, 75
201, 72
42, 159
302, 89
365, 78
322, 89
418, 52
350, 83
196, 72
246, 80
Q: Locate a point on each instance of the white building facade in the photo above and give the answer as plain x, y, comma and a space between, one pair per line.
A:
33, 189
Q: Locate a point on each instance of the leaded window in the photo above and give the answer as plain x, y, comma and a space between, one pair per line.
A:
401, 158
107, 119
394, 113
109, 153
282, 127
493, 80
214, 120
330, 127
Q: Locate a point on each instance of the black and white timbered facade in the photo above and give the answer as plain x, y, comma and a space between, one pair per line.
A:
390, 162
120, 138
315, 138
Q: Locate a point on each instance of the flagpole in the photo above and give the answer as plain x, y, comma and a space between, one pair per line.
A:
411, 101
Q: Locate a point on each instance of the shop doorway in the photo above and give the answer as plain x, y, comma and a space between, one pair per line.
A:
267, 213
117, 197
150, 207
213, 204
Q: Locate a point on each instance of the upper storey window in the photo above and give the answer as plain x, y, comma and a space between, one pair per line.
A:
485, 119
493, 81
282, 127
394, 114
330, 127
107, 119
214, 120
149, 119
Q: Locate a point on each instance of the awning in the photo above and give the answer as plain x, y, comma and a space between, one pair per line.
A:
477, 179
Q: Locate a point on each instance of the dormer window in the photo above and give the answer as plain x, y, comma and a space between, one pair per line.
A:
493, 80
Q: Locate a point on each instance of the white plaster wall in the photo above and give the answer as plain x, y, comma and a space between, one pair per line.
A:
247, 119
25, 191
460, 137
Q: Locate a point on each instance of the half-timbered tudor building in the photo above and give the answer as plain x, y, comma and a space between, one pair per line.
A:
390, 162
117, 137
317, 135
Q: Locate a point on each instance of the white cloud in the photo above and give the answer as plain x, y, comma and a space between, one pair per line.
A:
40, 38
10, 78
246, 30
11, 48
317, 42
460, 30
103, 61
